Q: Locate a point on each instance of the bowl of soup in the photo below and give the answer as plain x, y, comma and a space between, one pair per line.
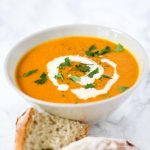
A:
80, 72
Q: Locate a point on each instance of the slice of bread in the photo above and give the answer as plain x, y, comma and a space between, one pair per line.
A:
42, 131
100, 143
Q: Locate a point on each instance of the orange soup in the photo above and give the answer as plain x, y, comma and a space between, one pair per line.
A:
76, 70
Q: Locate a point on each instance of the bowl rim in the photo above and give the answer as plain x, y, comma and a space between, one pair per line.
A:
52, 104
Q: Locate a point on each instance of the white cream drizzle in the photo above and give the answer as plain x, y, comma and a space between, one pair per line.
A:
82, 93
52, 68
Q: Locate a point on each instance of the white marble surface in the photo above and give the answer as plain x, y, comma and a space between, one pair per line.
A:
20, 18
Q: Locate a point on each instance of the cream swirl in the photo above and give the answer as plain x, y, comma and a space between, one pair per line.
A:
82, 93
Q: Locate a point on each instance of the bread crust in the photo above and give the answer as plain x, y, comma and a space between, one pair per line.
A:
84, 132
22, 124
22, 127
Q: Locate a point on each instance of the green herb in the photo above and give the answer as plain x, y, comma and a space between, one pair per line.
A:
122, 88
30, 73
104, 76
99, 52
91, 74
119, 48
65, 63
74, 78
89, 86
103, 51
43, 79
59, 76
89, 51
92, 47
83, 67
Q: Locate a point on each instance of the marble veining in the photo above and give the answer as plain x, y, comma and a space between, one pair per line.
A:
20, 18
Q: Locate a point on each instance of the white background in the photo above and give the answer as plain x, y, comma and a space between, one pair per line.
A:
19, 18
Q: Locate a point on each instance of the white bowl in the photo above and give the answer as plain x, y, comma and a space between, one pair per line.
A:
90, 112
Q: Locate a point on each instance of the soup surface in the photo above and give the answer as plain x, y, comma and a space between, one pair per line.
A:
76, 70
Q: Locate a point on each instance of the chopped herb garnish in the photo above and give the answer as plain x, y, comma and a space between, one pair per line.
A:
83, 67
92, 47
65, 63
119, 48
103, 51
91, 74
89, 51
75, 78
99, 52
30, 73
43, 79
59, 76
89, 86
122, 88
104, 76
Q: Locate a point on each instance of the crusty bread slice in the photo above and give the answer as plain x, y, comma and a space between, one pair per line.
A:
42, 131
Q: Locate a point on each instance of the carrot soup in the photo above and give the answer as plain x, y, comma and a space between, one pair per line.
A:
76, 70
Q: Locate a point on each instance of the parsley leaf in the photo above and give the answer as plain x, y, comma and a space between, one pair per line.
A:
30, 73
99, 52
83, 67
92, 47
74, 78
122, 88
119, 48
89, 51
43, 79
91, 74
65, 63
103, 51
89, 86
104, 76
59, 76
